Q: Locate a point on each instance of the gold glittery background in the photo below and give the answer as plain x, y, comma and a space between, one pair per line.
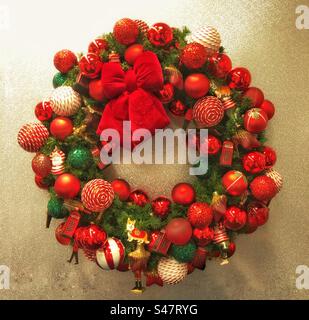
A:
260, 35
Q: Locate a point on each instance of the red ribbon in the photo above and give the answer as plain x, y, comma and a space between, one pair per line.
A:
132, 95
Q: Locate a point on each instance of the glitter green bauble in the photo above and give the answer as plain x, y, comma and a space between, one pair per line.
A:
56, 209
80, 158
59, 79
183, 253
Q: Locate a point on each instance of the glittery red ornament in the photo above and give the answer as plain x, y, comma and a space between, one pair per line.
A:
254, 162
270, 157
167, 93
90, 238
239, 78
196, 85
263, 188
257, 214
121, 188
133, 52
269, 108
255, 95
97, 46
255, 120
61, 127
179, 231
203, 236
200, 214
193, 55
65, 241
65, 60
177, 108
219, 65
235, 182
160, 34
139, 198
161, 206
39, 181
235, 218
210, 145
67, 186
41, 165
96, 90
125, 31
90, 65
183, 193
43, 111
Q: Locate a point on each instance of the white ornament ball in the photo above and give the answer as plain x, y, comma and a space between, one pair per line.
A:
171, 271
65, 101
32, 136
277, 178
209, 37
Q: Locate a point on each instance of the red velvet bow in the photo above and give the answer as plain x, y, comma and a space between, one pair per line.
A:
132, 95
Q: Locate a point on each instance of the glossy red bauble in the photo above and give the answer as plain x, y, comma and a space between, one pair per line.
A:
177, 108
161, 206
254, 162
67, 186
61, 127
96, 90
183, 193
196, 85
200, 214
90, 238
255, 120
179, 231
219, 65
160, 34
194, 55
90, 65
125, 31
235, 218
255, 95
121, 188
65, 241
235, 183
210, 145
139, 198
270, 157
39, 181
257, 213
133, 52
43, 111
203, 236
239, 78
167, 93
269, 108
97, 46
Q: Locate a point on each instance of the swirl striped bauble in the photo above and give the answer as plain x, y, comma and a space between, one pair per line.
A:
208, 111
57, 158
209, 37
142, 26
171, 271
111, 255
228, 103
65, 101
32, 136
97, 195
277, 178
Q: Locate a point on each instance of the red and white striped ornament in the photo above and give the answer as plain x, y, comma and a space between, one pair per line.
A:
32, 136
171, 271
228, 103
65, 101
114, 57
209, 37
57, 158
277, 178
111, 255
208, 111
97, 195
142, 26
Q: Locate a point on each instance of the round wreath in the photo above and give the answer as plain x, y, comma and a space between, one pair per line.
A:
147, 75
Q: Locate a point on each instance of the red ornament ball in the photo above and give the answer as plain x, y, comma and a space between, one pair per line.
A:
90, 65
65, 241
133, 52
121, 188
219, 65
210, 145
269, 108
254, 162
41, 165
196, 85
90, 238
39, 181
263, 188
239, 78
167, 93
179, 231
231, 249
177, 108
67, 186
139, 198
235, 218
255, 120
160, 34
270, 157
43, 111
65, 60
161, 206
183, 193
257, 214
61, 127
97, 46
96, 91
126, 31
256, 96
200, 215
203, 236
235, 182
193, 55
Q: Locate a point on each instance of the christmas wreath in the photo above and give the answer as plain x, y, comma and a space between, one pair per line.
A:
147, 75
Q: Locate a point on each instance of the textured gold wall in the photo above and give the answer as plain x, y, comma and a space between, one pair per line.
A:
260, 35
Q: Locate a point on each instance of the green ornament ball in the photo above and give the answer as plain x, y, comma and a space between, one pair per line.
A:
80, 158
59, 79
56, 209
183, 253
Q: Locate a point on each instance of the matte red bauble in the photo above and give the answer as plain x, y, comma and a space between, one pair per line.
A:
160, 34
255, 120
161, 206
270, 157
179, 231
255, 95
96, 90
210, 145
203, 236
235, 218
269, 108
121, 188
235, 183
193, 55
254, 162
196, 85
167, 93
219, 65
258, 213
43, 111
90, 65
97, 46
177, 108
263, 188
183, 193
41, 165
65, 60
67, 186
61, 127
139, 198
133, 52
239, 78
125, 31
200, 214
